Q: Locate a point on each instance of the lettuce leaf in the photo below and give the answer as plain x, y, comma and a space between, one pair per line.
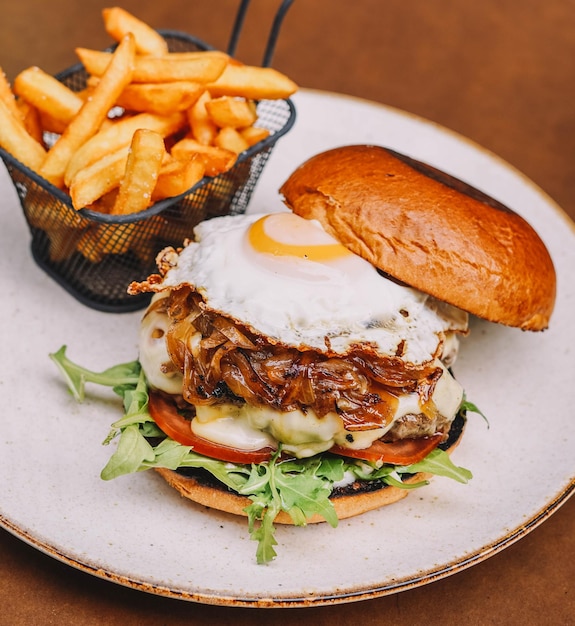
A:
120, 377
439, 463
299, 487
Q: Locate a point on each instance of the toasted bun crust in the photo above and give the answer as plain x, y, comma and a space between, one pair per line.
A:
430, 231
229, 502
350, 502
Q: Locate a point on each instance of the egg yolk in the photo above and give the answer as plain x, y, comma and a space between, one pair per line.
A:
286, 234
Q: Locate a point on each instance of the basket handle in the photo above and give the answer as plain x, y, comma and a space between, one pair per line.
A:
272, 37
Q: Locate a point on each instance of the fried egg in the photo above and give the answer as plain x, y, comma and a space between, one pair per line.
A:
285, 277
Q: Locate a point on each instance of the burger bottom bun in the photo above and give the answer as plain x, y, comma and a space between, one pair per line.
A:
348, 502
348, 505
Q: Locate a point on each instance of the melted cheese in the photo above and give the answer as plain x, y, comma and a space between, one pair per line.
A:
153, 356
251, 428
304, 434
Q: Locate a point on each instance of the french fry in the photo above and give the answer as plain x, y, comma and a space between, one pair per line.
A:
7, 95
145, 158
233, 112
118, 241
20, 109
253, 83
160, 98
31, 120
216, 160
14, 138
105, 203
201, 126
176, 177
62, 242
119, 22
119, 135
254, 134
47, 94
99, 178
219, 192
51, 125
88, 246
146, 247
90, 117
202, 67
100, 240
47, 213
121, 148
230, 139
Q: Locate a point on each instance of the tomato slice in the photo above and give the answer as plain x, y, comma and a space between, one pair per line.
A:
171, 422
403, 452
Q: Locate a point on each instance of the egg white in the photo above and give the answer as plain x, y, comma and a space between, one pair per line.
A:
306, 303
300, 287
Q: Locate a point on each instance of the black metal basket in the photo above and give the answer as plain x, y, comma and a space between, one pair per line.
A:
95, 256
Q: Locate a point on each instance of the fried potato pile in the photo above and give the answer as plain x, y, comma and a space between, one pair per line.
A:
149, 125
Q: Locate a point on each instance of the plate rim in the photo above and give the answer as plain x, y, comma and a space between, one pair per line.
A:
466, 561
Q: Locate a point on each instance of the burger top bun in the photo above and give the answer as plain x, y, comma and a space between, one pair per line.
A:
429, 230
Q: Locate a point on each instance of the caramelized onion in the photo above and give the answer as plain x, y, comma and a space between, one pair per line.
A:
223, 361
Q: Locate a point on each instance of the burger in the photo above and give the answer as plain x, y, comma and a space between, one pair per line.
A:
297, 366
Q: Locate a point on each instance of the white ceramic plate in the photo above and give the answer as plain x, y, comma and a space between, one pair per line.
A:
138, 532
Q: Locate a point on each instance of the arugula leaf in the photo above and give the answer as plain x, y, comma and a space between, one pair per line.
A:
305, 491
76, 376
439, 463
469, 407
394, 480
299, 487
133, 449
135, 400
264, 534
169, 454
303, 495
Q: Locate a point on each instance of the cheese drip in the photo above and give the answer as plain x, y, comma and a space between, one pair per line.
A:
302, 434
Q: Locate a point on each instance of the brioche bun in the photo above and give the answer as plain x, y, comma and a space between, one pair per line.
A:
430, 231
348, 501
348, 505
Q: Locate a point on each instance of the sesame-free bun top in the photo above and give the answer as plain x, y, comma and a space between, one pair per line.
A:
430, 231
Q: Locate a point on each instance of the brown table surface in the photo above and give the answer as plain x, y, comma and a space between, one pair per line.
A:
500, 72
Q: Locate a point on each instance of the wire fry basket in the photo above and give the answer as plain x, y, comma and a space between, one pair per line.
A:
94, 255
